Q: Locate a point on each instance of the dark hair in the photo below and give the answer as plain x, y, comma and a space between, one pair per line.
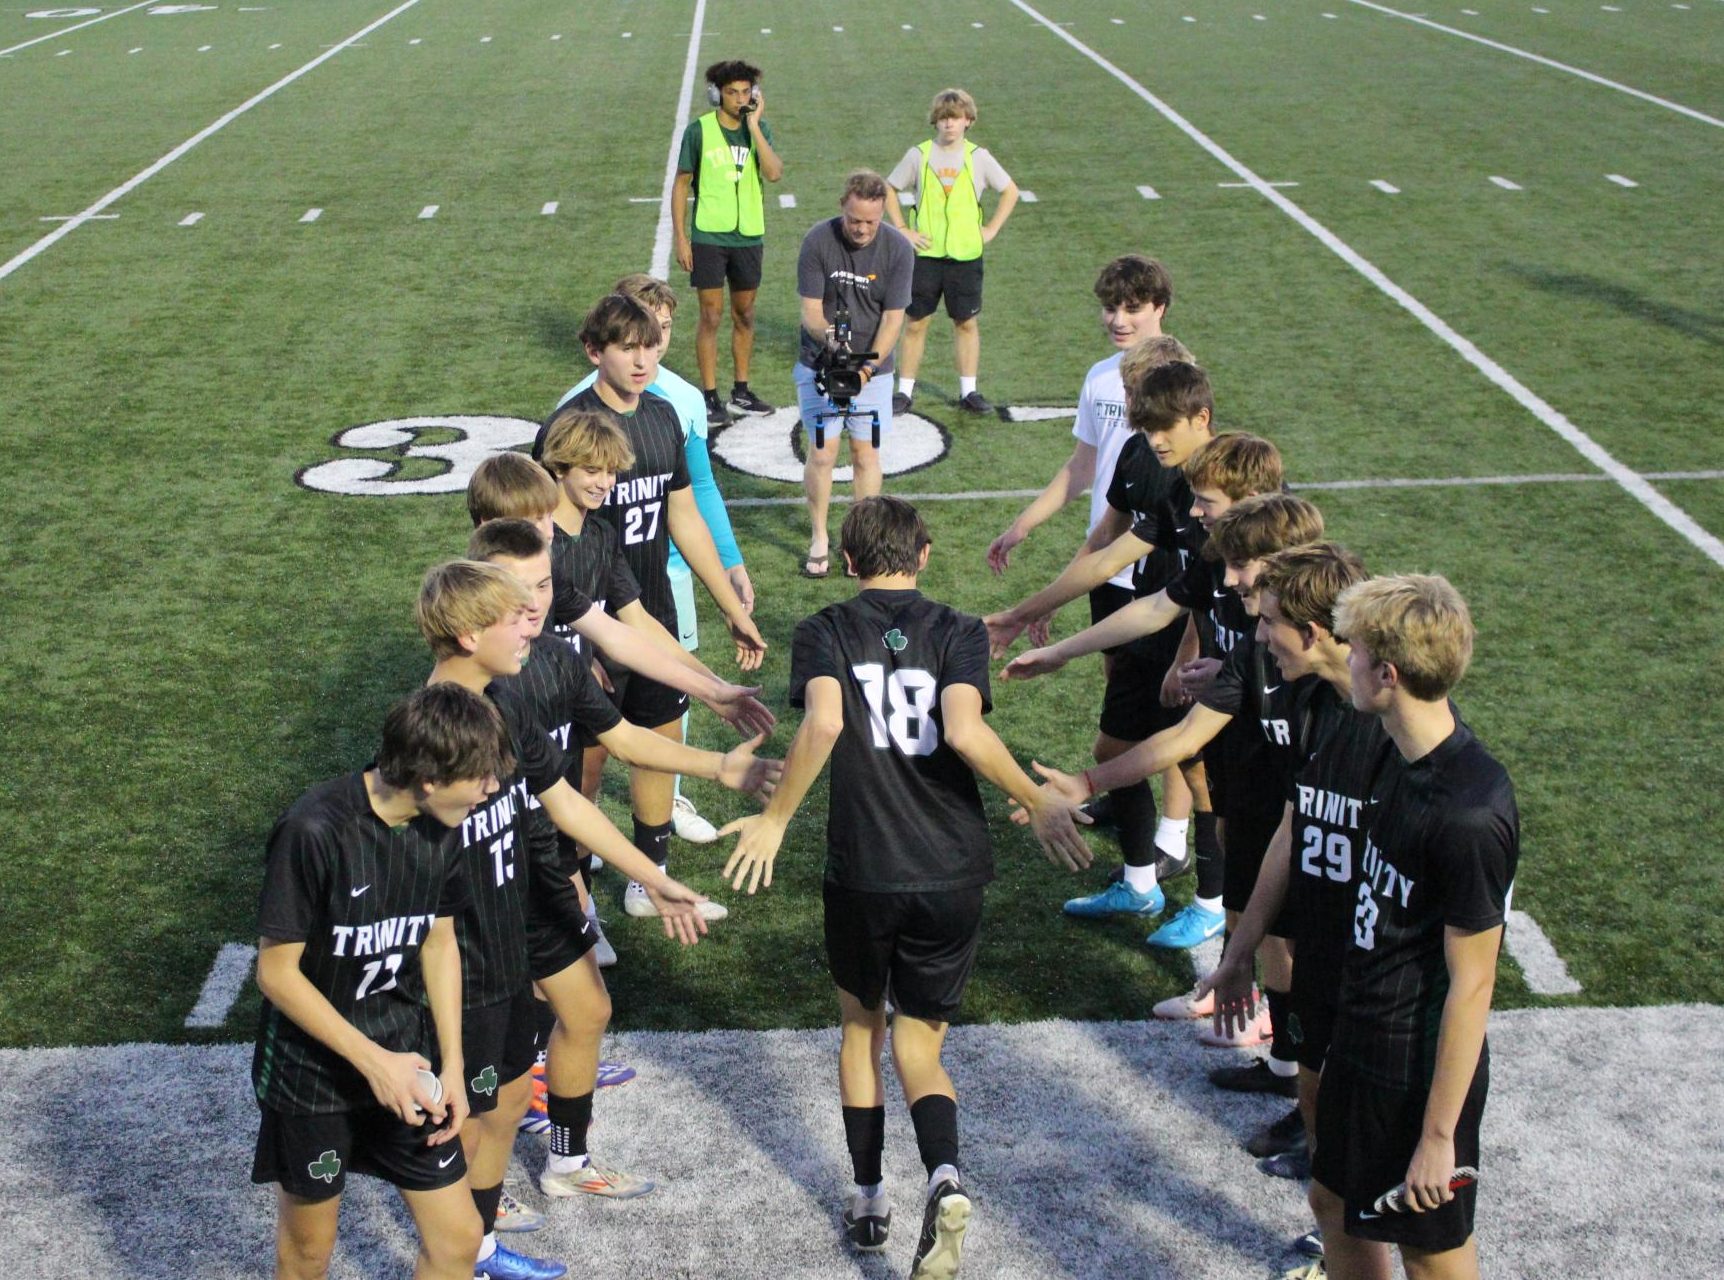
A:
883, 535
720, 74
1261, 525
1132, 280
863, 184
617, 321
440, 734
514, 539
1306, 581
1167, 393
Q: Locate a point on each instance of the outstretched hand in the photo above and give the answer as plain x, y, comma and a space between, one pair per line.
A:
1235, 997
1037, 662
679, 908
741, 770
755, 852
740, 707
1000, 549
750, 648
1003, 628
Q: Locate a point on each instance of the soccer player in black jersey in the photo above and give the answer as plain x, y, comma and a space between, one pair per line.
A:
1404, 1087
476, 618
1169, 407
361, 981
652, 503
555, 693
895, 687
1230, 468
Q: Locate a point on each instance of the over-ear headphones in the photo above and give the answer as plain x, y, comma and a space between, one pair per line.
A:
713, 97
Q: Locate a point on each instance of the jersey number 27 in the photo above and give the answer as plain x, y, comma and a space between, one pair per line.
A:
900, 707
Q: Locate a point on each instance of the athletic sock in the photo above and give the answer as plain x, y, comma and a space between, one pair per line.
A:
738, 388
1209, 855
1134, 816
570, 1119
865, 1135
1140, 879
935, 1118
943, 1173
1170, 836
1281, 1060
965, 386
712, 400
487, 1246
1211, 905
486, 1202
653, 839
906, 386
682, 735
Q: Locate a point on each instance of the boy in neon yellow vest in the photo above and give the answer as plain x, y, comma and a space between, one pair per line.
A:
947, 175
725, 155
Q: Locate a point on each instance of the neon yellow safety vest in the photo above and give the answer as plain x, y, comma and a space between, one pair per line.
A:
729, 198
951, 221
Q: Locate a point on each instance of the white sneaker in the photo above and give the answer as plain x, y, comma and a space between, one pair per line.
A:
636, 903
602, 948
1180, 1008
686, 821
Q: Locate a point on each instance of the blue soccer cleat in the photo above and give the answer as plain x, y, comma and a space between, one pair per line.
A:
1191, 926
1118, 899
506, 1264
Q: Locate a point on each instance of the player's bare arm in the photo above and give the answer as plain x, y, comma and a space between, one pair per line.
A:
1471, 958
762, 835
1002, 211
771, 166
694, 540
1146, 759
1005, 626
679, 194
580, 819
1139, 618
895, 213
739, 768
1231, 981
886, 336
1052, 817
393, 1077
1069, 483
1172, 687
440, 963
737, 704
1082, 575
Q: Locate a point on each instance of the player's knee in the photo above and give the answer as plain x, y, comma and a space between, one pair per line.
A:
1326, 1206
711, 313
452, 1246
742, 314
301, 1258
967, 325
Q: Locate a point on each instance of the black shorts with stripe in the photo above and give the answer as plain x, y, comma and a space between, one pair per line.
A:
918, 948
311, 1156
1366, 1135
497, 1044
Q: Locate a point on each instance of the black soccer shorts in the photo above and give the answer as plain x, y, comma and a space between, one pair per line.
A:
497, 1047
646, 702
715, 265
1366, 1135
311, 1156
1106, 600
960, 283
1311, 1015
919, 947
558, 931
1131, 707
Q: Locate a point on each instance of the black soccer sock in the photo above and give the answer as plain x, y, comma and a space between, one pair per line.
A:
570, 1119
1209, 864
738, 386
1280, 1041
865, 1135
653, 840
936, 1121
1134, 814
486, 1202
711, 394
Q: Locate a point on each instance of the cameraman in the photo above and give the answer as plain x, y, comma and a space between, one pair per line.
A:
855, 262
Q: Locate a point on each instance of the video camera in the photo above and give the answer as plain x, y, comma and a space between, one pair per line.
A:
838, 377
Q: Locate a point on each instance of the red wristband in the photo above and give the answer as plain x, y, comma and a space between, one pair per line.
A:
1089, 783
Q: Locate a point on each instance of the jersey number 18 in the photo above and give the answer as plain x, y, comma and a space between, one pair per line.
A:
908, 721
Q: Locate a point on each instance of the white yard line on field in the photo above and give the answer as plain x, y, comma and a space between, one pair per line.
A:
1706, 543
662, 235
137, 180
1540, 965
1690, 112
66, 31
227, 978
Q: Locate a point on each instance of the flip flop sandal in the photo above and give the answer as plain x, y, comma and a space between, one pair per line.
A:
816, 566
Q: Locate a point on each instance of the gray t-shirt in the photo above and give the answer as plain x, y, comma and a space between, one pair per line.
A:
870, 281
947, 163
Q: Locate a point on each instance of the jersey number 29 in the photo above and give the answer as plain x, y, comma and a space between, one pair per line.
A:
908, 720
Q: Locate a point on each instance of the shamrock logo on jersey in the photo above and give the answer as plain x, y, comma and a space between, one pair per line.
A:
896, 640
326, 1166
485, 1081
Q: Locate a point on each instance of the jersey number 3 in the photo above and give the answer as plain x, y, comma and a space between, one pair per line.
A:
900, 707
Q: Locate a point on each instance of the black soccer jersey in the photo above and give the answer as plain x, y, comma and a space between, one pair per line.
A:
905, 814
1441, 850
1221, 618
1284, 716
1158, 500
492, 930
587, 569
638, 506
362, 896
1332, 799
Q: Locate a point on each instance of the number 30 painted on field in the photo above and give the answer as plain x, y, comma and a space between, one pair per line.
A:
477, 437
